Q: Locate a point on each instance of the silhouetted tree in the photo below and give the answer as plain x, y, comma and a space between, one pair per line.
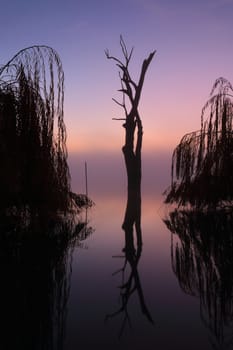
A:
133, 123
34, 176
202, 163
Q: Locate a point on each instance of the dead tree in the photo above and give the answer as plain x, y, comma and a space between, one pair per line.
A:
131, 149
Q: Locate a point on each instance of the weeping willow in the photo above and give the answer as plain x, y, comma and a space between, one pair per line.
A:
202, 163
34, 176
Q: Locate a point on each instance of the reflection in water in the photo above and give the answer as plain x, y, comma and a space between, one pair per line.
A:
130, 279
35, 281
202, 259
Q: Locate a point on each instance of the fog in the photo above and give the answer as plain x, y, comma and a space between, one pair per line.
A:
107, 175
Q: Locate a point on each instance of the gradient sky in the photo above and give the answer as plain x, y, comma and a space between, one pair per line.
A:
193, 40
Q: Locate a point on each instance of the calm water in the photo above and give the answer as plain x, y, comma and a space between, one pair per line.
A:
95, 289
71, 299
186, 285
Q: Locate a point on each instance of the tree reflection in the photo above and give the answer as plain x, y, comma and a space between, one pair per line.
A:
202, 259
35, 282
131, 282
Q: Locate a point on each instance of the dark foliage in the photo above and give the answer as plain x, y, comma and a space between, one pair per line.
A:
34, 176
202, 163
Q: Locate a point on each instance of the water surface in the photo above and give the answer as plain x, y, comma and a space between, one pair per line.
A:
69, 297
95, 290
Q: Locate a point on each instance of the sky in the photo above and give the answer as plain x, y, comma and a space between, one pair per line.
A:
193, 43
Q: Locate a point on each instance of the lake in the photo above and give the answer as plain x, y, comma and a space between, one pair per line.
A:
172, 292
97, 274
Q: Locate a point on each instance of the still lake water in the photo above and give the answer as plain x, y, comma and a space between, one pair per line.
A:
68, 298
94, 291
178, 321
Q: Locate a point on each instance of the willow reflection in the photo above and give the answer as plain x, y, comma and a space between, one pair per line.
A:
35, 283
202, 259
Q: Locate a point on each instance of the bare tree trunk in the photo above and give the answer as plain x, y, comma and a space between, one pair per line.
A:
132, 152
133, 168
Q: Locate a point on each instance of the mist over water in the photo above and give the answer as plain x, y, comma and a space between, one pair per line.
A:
107, 176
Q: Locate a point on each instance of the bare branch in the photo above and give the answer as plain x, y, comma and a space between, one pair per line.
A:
126, 82
117, 102
131, 52
112, 57
124, 50
124, 91
145, 66
127, 56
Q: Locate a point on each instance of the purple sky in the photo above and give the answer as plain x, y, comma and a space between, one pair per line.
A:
193, 40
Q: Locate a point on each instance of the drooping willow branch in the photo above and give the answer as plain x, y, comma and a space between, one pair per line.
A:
34, 173
202, 163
